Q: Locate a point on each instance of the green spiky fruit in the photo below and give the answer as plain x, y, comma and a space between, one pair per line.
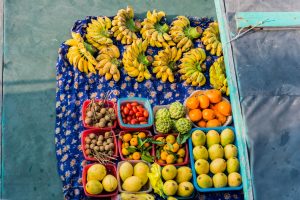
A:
162, 113
177, 110
183, 125
163, 125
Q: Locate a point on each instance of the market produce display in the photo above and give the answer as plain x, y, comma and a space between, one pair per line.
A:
99, 146
155, 29
208, 108
218, 76
168, 151
211, 39
148, 58
99, 114
136, 145
132, 176
183, 34
134, 113
124, 26
172, 118
210, 149
99, 181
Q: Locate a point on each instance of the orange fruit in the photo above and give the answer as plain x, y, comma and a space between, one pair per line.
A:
147, 144
125, 145
170, 139
192, 103
170, 159
166, 147
224, 108
134, 141
203, 101
195, 115
201, 123
220, 117
215, 96
136, 155
181, 153
175, 147
160, 161
127, 137
208, 114
213, 123
125, 152
163, 155
179, 160
142, 135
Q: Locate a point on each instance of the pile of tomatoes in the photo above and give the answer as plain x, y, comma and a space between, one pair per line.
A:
134, 113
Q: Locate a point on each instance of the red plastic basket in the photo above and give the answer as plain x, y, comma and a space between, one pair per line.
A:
110, 104
149, 134
185, 160
97, 132
111, 169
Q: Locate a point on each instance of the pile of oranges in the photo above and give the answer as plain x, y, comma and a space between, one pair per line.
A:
130, 148
208, 108
169, 152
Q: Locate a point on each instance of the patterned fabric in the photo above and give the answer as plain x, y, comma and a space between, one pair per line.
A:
74, 87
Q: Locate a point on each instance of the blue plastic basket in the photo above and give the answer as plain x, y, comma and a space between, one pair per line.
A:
145, 102
192, 161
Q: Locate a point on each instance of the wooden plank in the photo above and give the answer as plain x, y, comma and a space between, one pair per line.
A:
235, 100
267, 19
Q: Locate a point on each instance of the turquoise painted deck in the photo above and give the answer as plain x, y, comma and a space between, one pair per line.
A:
270, 19
34, 30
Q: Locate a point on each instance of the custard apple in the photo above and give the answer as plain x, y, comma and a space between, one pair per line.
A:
163, 125
177, 110
183, 125
173, 125
162, 113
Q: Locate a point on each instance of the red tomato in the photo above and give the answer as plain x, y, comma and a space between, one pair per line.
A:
122, 107
128, 106
141, 119
134, 104
126, 111
123, 115
133, 121
146, 114
141, 109
124, 121
143, 123
128, 118
130, 113
134, 109
139, 114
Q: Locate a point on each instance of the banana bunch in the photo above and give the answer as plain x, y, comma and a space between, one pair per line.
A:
80, 54
165, 63
140, 196
183, 34
217, 76
155, 30
108, 62
98, 33
124, 27
136, 62
192, 67
211, 39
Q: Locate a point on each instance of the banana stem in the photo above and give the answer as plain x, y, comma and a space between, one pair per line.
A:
90, 48
194, 32
200, 67
161, 28
146, 60
133, 25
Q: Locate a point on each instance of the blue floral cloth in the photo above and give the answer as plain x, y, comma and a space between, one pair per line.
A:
74, 87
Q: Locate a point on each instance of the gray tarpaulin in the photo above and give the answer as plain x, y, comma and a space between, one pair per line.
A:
267, 65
